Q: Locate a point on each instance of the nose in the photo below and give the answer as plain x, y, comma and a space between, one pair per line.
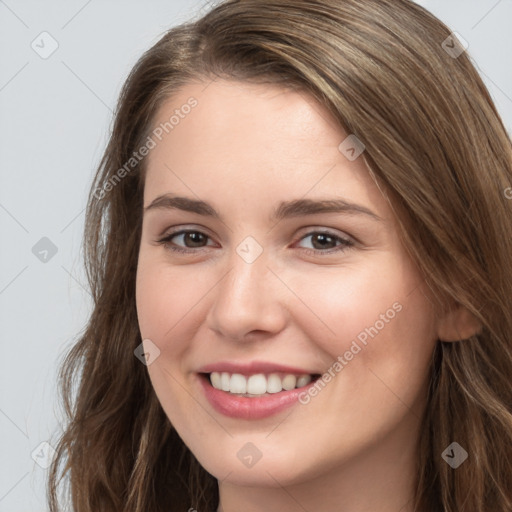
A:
249, 301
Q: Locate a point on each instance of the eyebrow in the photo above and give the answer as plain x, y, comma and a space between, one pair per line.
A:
286, 209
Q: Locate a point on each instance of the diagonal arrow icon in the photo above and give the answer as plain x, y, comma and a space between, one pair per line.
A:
351, 147
44, 250
249, 253
454, 455
249, 455
455, 45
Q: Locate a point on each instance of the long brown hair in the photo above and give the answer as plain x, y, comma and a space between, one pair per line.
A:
436, 144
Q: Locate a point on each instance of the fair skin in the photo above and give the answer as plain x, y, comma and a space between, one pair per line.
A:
244, 149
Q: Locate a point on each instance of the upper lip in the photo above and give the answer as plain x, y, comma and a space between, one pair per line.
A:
253, 367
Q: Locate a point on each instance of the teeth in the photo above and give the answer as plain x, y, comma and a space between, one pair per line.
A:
274, 384
224, 382
258, 384
303, 380
216, 380
237, 384
289, 382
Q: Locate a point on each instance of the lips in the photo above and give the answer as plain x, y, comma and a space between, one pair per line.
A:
253, 367
253, 390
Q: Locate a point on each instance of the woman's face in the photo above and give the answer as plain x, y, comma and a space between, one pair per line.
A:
292, 267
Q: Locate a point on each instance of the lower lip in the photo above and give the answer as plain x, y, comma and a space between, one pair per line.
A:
250, 408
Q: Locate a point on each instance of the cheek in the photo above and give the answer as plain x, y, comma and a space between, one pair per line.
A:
376, 320
165, 296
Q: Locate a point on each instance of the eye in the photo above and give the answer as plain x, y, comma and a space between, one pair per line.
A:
195, 238
324, 242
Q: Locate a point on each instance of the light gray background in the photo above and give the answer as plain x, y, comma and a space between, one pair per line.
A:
55, 114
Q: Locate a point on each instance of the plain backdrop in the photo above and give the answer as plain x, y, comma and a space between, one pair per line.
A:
62, 64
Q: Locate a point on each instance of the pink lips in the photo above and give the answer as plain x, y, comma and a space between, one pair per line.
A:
253, 367
245, 407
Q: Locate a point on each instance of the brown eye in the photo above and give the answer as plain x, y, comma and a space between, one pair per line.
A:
326, 243
188, 240
323, 241
195, 238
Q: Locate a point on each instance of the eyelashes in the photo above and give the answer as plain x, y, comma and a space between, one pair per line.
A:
343, 244
166, 241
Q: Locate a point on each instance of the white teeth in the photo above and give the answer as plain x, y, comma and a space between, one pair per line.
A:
224, 381
274, 384
289, 382
303, 380
216, 380
258, 384
238, 383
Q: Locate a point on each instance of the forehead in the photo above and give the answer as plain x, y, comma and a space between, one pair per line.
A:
260, 141
228, 111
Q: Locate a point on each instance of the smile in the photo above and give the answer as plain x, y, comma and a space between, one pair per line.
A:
258, 384
254, 392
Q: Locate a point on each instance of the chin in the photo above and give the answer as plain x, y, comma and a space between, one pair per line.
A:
275, 469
